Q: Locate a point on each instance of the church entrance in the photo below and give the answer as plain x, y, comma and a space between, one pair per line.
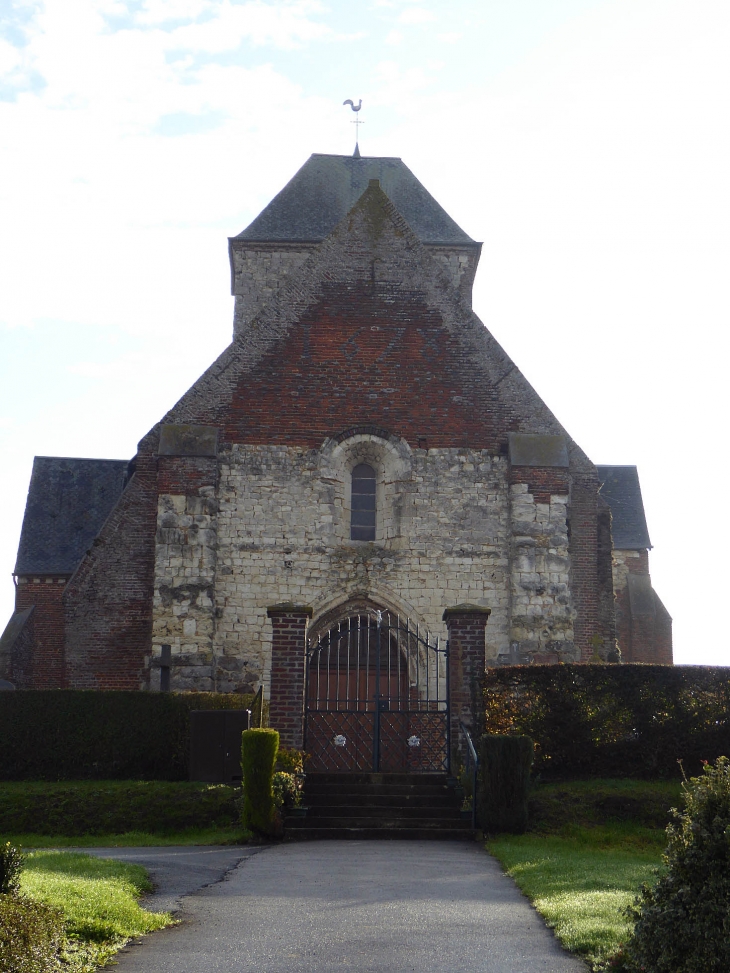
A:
377, 698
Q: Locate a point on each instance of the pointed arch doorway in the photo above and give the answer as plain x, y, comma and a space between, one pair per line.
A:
377, 697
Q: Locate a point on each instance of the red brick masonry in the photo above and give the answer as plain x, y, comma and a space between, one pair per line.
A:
288, 672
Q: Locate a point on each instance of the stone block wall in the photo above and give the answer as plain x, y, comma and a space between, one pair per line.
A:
258, 270
185, 558
460, 265
452, 529
283, 537
542, 611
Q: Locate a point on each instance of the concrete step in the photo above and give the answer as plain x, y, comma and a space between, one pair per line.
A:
387, 822
446, 812
377, 779
332, 799
362, 834
360, 788
380, 805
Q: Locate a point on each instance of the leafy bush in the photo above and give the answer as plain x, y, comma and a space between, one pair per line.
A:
290, 761
503, 782
683, 922
70, 734
612, 721
287, 789
31, 936
288, 778
258, 755
11, 865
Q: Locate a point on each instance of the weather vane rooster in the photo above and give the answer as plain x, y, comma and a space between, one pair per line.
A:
357, 123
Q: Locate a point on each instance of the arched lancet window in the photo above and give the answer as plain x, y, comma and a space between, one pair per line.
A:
362, 522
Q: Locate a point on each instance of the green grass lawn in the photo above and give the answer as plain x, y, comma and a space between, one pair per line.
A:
580, 890
98, 898
132, 839
591, 845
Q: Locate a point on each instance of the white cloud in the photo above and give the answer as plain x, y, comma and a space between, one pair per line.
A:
416, 15
159, 12
284, 25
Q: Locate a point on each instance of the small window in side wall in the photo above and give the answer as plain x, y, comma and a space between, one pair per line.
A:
362, 503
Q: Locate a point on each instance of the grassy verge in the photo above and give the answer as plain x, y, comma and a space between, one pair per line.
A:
98, 898
580, 891
591, 845
133, 839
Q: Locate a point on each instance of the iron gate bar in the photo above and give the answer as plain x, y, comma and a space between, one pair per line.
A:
401, 691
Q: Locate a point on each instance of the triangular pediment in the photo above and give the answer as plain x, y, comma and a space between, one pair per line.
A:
374, 258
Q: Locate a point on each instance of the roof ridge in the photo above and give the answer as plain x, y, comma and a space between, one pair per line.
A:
321, 193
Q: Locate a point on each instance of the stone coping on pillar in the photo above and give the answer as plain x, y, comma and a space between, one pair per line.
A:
289, 608
459, 610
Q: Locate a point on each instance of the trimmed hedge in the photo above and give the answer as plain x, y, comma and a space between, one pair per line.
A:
113, 807
613, 721
504, 782
31, 936
69, 734
258, 756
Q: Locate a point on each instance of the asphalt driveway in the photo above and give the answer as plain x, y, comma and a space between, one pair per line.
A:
321, 907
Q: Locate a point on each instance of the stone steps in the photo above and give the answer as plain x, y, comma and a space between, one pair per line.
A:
362, 806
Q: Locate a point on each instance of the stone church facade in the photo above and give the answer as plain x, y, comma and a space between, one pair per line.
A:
363, 445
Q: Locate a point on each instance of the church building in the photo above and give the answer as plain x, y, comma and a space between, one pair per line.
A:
363, 458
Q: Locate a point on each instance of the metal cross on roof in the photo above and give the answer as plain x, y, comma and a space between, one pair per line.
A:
357, 123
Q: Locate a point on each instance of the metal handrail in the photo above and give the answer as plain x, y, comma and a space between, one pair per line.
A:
472, 757
258, 698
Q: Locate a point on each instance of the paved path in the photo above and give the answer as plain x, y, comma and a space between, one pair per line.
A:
177, 871
365, 906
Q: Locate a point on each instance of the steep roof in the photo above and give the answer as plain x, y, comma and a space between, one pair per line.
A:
621, 490
326, 188
68, 501
493, 395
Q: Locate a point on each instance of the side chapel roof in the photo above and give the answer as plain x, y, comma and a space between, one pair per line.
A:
68, 501
620, 488
326, 188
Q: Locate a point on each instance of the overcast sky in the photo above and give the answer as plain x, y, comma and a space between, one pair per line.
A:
585, 142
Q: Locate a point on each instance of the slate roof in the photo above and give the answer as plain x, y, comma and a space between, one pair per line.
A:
326, 188
68, 501
12, 632
621, 490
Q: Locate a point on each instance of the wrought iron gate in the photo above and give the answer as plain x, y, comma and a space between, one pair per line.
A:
377, 697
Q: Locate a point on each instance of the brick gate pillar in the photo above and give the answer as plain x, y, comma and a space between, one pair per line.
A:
288, 672
466, 626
